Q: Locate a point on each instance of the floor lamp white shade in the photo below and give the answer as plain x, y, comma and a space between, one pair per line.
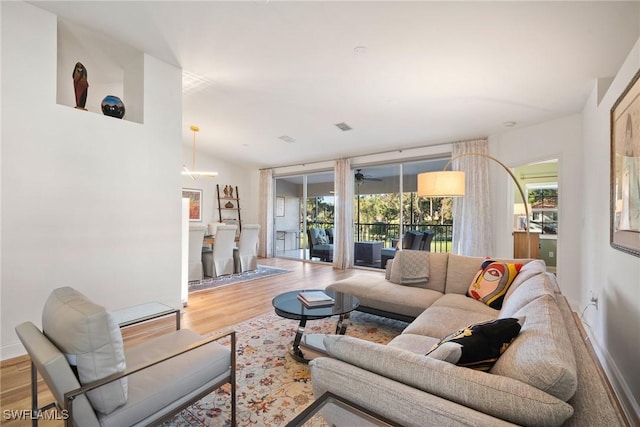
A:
441, 184
451, 184
184, 277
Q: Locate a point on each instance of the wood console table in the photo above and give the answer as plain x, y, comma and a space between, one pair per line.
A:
520, 244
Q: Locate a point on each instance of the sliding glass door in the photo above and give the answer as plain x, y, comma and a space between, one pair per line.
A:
304, 207
386, 206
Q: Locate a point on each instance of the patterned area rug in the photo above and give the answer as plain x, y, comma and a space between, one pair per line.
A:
272, 387
209, 282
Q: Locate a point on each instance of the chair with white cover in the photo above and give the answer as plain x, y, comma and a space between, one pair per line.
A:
212, 227
95, 382
248, 247
220, 261
196, 241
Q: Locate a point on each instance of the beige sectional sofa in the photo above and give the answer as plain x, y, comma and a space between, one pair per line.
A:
546, 377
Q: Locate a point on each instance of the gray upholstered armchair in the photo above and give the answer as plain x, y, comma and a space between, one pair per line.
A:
95, 381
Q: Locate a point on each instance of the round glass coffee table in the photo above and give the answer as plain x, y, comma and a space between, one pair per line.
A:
288, 305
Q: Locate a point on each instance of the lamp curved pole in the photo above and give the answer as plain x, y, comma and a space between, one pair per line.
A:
515, 180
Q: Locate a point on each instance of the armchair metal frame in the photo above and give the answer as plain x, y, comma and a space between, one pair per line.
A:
70, 396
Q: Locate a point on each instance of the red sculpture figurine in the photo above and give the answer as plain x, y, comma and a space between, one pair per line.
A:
80, 85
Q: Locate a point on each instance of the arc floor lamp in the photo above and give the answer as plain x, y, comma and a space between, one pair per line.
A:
452, 184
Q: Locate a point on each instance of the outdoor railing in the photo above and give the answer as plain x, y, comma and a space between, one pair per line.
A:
387, 233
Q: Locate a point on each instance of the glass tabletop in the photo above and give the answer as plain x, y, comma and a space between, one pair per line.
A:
338, 411
289, 306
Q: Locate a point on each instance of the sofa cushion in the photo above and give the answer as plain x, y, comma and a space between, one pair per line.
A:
528, 270
542, 355
460, 271
477, 346
528, 291
419, 344
410, 267
492, 282
463, 302
91, 340
498, 396
374, 291
437, 271
438, 321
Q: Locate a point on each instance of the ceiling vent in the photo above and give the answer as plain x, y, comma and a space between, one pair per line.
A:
343, 126
287, 139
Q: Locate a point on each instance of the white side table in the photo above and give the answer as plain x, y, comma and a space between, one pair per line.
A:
143, 312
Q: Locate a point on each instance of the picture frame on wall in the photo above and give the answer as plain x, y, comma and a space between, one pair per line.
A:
625, 170
195, 203
279, 206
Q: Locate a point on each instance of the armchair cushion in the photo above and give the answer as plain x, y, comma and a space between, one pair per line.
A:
91, 340
317, 236
329, 233
168, 385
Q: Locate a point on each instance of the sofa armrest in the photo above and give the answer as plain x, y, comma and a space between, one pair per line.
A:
509, 399
398, 402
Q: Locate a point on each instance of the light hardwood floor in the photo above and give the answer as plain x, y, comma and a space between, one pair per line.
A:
207, 311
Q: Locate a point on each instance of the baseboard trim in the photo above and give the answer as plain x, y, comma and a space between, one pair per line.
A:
12, 350
628, 405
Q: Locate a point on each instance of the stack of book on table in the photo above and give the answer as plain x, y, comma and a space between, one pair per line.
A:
315, 299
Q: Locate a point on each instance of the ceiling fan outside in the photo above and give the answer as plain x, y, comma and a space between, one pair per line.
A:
360, 177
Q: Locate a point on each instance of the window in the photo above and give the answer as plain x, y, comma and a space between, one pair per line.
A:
543, 199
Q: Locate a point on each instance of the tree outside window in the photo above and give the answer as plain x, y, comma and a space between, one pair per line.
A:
544, 208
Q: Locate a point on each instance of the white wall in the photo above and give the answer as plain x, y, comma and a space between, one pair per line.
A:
613, 275
586, 262
87, 200
557, 139
245, 178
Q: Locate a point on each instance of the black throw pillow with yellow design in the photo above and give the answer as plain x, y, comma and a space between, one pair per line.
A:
477, 346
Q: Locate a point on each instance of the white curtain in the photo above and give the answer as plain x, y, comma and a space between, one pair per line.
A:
472, 213
265, 245
343, 223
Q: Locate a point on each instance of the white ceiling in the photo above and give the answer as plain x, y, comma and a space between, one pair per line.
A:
430, 72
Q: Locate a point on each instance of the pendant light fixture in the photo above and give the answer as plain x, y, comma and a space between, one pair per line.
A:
193, 173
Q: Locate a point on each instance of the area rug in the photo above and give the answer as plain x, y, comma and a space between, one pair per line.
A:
272, 388
209, 282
